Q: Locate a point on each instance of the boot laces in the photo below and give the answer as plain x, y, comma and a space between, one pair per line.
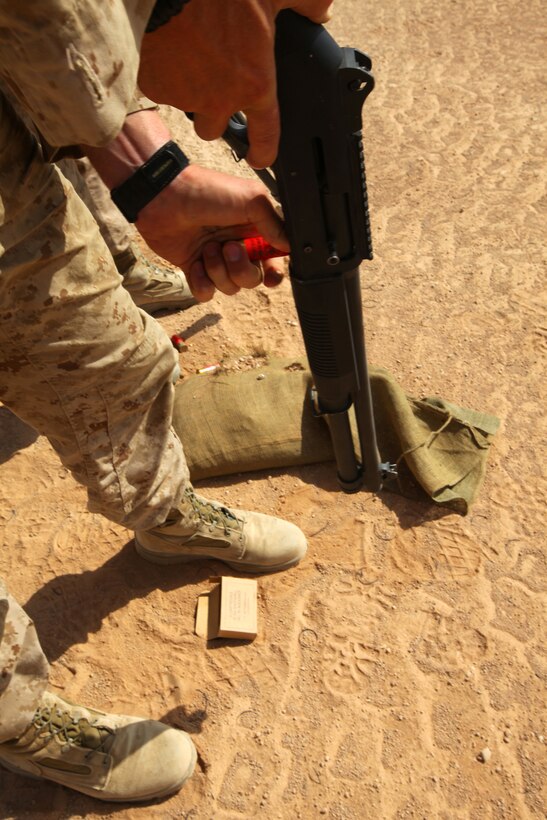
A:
140, 273
214, 515
156, 273
52, 723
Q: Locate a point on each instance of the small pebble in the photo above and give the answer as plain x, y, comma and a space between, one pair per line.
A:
484, 755
261, 376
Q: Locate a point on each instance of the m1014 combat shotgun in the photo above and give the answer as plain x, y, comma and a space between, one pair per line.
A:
319, 178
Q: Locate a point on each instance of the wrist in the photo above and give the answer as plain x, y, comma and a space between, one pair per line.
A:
149, 180
139, 163
142, 134
173, 202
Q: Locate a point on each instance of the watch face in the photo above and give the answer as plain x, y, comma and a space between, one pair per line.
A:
162, 167
148, 180
165, 164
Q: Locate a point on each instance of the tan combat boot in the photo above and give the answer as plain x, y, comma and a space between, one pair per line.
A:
110, 757
246, 541
153, 287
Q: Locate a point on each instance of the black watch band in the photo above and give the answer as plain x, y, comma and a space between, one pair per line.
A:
148, 180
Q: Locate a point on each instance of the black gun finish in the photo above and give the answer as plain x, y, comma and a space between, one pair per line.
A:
320, 167
320, 182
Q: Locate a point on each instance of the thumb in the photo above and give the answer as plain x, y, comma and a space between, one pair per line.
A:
267, 222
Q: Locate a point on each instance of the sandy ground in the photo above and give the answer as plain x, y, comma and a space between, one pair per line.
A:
410, 639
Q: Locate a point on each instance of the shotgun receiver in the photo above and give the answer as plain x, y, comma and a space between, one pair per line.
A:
319, 178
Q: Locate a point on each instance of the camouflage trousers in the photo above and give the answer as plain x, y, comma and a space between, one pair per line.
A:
115, 230
23, 668
78, 361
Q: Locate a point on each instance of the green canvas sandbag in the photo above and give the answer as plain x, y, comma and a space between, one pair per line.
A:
236, 422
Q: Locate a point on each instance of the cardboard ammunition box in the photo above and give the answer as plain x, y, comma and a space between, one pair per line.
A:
229, 610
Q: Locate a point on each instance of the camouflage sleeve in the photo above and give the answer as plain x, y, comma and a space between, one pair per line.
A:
140, 103
73, 65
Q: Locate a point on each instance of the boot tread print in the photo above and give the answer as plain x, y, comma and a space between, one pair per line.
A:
109, 757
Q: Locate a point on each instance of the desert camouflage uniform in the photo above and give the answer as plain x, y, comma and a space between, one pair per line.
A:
115, 230
78, 361
23, 668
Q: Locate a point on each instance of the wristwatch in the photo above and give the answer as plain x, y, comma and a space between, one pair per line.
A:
148, 180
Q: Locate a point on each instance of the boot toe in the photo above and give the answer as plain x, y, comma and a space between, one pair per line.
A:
149, 760
271, 543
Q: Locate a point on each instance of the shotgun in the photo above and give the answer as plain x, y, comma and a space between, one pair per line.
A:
319, 179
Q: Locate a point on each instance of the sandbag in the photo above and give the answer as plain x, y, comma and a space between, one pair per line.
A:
261, 419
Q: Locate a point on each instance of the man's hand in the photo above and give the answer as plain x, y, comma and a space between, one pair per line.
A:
217, 57
192, 222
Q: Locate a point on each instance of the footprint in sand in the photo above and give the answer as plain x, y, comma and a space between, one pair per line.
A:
349, 662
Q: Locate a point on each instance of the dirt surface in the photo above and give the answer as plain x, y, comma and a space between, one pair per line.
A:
410, 639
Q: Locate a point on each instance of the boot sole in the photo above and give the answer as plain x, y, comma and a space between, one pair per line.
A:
99, 795
154, 307
240, 566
